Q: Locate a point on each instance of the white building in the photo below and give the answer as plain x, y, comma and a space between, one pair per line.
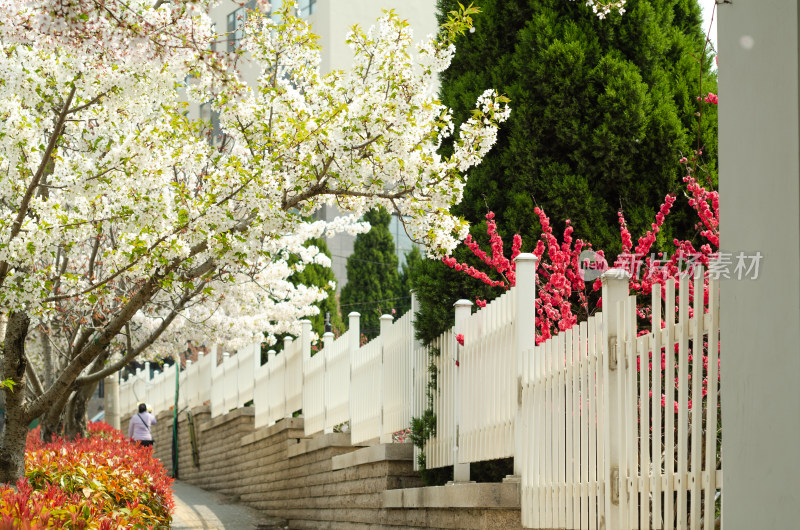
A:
331, 20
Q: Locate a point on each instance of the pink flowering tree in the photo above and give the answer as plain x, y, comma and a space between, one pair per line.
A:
561, 291
563, 298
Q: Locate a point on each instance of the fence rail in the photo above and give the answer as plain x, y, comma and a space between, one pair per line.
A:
609, 426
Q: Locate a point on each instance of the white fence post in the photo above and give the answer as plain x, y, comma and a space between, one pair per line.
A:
217, 381
460, 471
305, 354
615, 291
212, 352
327, 344
525, 330
305, 338
271, 354
187, 385
354, 339
386, 324
354, 328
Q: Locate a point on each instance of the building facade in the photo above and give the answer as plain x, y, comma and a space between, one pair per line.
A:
331, 20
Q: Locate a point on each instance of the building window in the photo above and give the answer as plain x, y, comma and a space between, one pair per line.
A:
306, 7
214, 134
235, 27
213, 43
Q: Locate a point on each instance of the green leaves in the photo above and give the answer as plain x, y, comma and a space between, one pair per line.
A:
373, 283
603, 111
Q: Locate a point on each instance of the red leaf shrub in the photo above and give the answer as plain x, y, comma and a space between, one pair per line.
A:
103, 481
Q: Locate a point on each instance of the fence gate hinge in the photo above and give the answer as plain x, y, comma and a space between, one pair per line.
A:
615, 485
612, 354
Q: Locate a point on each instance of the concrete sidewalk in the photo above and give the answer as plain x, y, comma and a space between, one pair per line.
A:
197, 508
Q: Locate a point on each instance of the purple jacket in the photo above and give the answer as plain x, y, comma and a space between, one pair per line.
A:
139, 426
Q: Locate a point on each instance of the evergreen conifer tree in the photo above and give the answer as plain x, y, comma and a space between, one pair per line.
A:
373, 283
408, 272
602, 110
319, 276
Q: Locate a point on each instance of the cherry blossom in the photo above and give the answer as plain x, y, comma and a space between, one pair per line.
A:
124, 230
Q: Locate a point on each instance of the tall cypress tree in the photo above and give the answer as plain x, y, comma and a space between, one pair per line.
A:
373, 283
319, 276
408, 272
602, 110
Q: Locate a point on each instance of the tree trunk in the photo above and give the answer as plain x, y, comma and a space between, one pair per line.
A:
47, 355
76, 420
12, 441
53, 420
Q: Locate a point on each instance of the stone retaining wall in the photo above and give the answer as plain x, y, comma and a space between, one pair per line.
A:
324, 481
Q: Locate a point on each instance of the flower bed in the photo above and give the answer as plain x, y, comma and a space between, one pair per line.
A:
103, 481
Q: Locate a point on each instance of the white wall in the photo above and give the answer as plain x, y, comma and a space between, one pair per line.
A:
334, 18
760, 200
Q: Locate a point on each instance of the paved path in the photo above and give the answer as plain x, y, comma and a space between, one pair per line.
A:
196, 508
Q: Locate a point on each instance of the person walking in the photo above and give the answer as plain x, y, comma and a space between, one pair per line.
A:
139, 426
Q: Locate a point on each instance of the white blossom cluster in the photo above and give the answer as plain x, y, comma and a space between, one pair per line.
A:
120, 225
602, 8
360, 138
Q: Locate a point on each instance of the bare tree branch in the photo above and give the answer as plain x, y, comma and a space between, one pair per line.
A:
33, 377
132, 354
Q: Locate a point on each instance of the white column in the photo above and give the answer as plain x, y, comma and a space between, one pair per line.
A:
525, 326
615, 290
759, 136
460, 471
111, 399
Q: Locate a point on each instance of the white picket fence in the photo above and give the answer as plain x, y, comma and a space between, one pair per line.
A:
377, 404
602, 451
279, 382
591, 442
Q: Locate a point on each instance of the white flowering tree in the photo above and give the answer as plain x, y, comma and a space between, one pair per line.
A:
123, 231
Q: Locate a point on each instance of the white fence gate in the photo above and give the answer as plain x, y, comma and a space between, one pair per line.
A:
622, 426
